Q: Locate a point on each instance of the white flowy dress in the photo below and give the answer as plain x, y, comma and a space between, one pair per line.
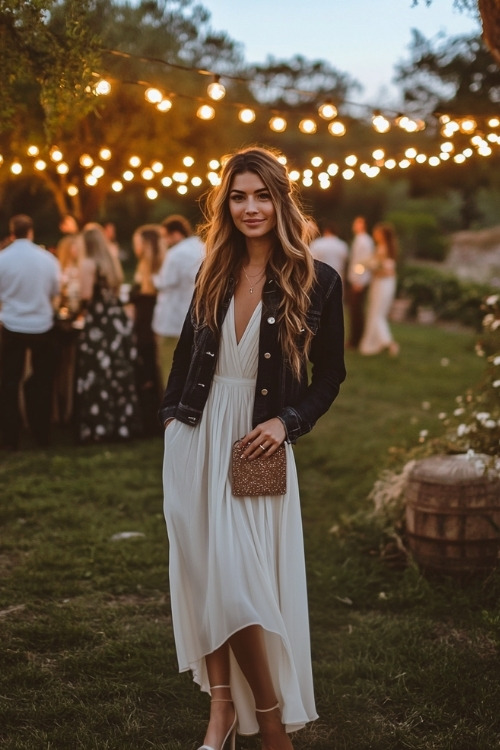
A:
235, 562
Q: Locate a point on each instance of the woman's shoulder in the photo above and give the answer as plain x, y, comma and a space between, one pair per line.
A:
325, 274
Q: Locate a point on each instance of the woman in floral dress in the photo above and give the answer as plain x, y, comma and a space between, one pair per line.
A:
107, 406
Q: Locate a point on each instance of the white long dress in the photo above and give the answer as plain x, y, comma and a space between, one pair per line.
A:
377, 335
235, 562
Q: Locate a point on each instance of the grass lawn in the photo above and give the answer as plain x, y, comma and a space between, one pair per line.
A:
86, 647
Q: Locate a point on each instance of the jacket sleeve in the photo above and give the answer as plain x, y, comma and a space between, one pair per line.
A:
179, 371
328, 369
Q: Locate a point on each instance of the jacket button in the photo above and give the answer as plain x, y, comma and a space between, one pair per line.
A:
267, 355
264, 391
271, 320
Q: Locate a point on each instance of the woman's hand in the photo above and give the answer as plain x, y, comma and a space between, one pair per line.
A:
263, 440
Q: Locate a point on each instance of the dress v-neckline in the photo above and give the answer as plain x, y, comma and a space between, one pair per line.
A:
233, 326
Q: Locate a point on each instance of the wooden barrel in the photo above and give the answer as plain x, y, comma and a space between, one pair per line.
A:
453, 514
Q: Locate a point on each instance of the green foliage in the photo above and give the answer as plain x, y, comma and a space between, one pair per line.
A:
55, 61
450, 298
419, 234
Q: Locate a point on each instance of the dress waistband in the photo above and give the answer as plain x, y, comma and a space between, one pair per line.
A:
234, 381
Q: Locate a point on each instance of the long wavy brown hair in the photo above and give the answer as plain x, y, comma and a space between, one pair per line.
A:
290, 264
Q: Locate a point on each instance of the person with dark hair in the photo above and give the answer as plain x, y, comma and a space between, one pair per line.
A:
175, 281
29, 288
149, 248
377, 335
262, 308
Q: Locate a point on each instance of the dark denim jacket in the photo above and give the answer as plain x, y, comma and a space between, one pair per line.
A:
278, 393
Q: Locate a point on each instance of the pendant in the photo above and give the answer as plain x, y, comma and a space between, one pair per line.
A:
251, 290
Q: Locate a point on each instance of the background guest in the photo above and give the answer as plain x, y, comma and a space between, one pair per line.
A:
175, 283
331, 249
358, 277
29, 287
377, 335
149, 247
107, 406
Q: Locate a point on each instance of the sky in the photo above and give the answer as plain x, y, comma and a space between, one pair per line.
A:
364, 38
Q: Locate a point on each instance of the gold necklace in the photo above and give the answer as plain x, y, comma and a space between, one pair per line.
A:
258, 278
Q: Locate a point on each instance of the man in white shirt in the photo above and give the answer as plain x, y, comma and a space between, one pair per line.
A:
175, 280
358, 277
29, 286
331, 249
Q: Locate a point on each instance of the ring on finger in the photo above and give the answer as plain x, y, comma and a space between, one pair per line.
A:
262, 447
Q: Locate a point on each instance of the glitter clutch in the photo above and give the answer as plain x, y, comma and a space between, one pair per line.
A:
260, 478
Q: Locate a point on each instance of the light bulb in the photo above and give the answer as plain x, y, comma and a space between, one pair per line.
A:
278, 124
216, 90
307, 126
206, 112
327, 110
153, 96
337, 128
105, 154
246, 115
102, 88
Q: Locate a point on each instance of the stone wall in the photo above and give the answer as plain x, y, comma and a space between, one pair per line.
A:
475, 255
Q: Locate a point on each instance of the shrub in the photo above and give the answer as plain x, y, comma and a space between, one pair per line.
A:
450, 298
419, 234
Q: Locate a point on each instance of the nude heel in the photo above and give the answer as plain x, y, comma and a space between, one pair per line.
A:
231, 735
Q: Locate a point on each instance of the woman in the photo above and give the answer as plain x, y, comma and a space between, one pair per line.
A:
237, 575
377, 335
149, 250
107, 406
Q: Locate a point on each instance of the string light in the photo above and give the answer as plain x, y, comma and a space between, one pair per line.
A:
16, 167
188, 161
216, 90
351, 160
56, 154
152, 194
102, 88
97, 172
33, 151
72, 190
128, 176
278, 124
86, 160
134, 161
493, 122
62, 168
165, 105
182, 189
205, 112
105, 154
153, 96
147, 174
307, 126
327, 110
157, 167
348, 174
40, 164
166, 181
246, 115
380, 123
117, 186
337, 128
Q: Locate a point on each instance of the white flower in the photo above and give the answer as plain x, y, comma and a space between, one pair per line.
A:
490, 424
442, 415
445, 362
496, 360
462, 430
492, 299
481, 416
496, 384
426, 405
458, 412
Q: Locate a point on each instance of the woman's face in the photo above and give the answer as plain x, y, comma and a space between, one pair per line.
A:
251, 207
